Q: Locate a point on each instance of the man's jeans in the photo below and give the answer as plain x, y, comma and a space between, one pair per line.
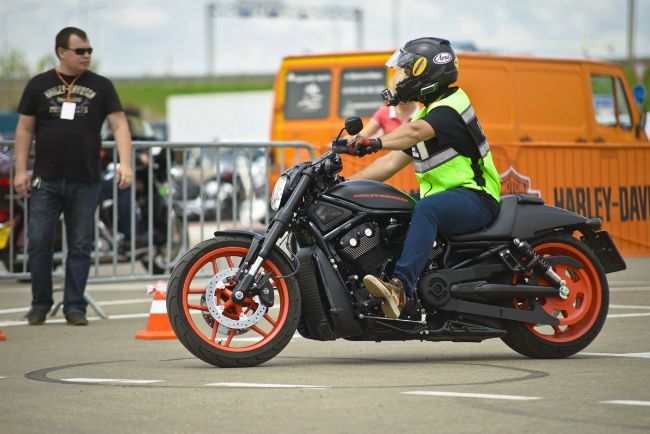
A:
451, 212
77, 201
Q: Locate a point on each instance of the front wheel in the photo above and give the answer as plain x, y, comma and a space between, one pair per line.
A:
581, 315
214, 328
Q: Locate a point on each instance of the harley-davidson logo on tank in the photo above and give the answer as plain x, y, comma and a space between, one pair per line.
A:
512, 182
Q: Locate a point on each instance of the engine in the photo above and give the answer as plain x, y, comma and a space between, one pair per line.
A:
365, 247
370, 245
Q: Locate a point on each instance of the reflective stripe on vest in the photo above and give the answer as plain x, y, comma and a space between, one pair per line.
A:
447, 168
442, 157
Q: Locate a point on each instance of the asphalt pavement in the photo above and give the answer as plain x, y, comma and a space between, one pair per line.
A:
60, 378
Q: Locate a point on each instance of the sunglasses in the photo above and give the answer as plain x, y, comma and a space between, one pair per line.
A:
80, 51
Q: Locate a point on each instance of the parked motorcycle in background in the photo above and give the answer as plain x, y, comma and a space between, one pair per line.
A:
534, 278
12, 216
153, 206
234, 184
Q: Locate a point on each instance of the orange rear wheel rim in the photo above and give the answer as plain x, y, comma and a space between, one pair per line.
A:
576, 314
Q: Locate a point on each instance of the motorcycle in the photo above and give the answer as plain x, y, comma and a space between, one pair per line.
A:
237, 299
160, 195
236, 192
12, 215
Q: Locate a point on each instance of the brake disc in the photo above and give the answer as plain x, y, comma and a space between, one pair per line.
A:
226, 323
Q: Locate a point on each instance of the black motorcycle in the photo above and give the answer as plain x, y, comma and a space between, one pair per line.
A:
154, 207
236, 300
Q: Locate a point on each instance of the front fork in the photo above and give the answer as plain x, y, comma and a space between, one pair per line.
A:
248, 284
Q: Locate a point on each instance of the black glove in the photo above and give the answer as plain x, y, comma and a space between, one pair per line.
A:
361, 146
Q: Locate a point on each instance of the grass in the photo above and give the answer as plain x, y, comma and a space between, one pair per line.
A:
150, 96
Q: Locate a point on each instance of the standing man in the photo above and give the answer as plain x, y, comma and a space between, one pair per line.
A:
64, 109
459, 184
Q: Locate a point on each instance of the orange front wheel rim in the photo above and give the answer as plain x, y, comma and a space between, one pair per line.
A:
235, 327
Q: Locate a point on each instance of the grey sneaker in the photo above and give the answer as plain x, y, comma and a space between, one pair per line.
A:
36, 316
76, 318
392, 292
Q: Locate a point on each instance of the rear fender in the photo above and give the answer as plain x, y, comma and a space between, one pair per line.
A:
534, 220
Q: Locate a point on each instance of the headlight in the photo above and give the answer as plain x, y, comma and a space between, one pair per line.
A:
278, 192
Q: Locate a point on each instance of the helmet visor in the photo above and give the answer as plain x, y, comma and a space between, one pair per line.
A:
401, 58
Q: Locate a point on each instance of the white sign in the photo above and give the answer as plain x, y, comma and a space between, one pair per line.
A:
639, 69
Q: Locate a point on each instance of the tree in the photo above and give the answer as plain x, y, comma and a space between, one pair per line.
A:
46, 62
13, 65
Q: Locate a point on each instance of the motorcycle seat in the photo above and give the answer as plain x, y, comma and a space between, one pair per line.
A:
502, 226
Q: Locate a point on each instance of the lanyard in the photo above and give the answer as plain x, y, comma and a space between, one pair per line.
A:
67, 85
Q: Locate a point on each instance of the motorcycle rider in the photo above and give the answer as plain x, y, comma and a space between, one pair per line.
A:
459, 184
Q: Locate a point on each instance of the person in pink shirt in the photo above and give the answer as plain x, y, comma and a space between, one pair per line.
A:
387, 118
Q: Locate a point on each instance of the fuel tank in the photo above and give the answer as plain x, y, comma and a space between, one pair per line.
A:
373, 195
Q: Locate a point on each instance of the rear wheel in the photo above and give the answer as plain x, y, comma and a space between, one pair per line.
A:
211, 325
581, 315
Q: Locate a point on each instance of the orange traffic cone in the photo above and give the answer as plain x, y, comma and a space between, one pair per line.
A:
158, 326
2, 336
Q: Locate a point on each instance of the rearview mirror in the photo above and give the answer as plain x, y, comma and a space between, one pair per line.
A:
353, 125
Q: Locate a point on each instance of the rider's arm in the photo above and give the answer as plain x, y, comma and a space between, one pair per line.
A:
407, 135
384, 167
120, 128
24, 136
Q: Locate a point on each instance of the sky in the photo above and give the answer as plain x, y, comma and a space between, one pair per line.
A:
135, 38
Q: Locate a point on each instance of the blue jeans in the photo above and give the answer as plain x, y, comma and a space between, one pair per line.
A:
451, 212
77, 201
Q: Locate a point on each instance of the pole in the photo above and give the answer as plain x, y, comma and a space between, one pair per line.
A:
630, 33
358, 14
209, 37
395, 27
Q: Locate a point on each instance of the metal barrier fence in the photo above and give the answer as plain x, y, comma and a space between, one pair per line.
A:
181, 194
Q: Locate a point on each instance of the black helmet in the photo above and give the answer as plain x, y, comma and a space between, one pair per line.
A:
428, 65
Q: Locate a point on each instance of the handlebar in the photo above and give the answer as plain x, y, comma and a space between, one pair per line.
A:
340, 146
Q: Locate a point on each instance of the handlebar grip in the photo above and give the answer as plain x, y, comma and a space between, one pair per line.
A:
340, 146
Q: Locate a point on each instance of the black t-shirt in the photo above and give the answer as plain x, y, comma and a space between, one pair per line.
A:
69, 149
450, 130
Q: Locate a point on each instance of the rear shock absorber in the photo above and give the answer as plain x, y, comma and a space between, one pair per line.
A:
541, 264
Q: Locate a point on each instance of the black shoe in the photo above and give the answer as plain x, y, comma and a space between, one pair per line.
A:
36, 316
76, 318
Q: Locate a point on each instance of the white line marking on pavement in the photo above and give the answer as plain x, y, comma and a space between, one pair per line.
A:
625, 306
627, 402
101, 303
110, 380
267, 386
62, 320
473, 395
631, 355
631, 289
628, 315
